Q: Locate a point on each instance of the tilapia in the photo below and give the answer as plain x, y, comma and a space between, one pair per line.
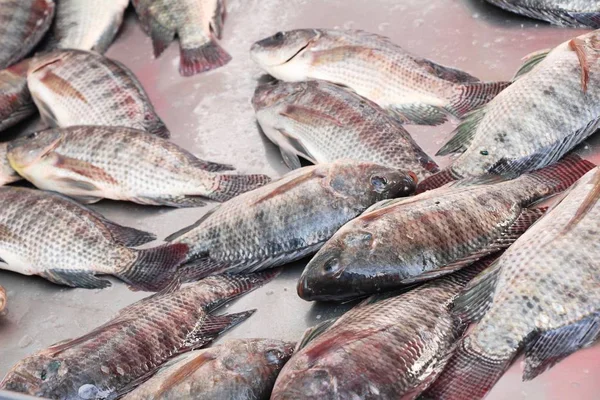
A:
51, 236
7, 173
390, 348
432, 234
86, 25
416, 90
288, 219
90, 163
197, 24
542, 295
2, 301
15, 101
553, 105
577, 13
323, 122
243, 369
22, 24
117, 356
74, 87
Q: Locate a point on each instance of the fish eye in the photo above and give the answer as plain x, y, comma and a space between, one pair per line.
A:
379, 182
44, 374
273, 356
331, 266
32, 135
278, 36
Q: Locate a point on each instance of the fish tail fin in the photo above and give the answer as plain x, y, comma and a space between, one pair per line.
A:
436, 180
154, 268
474, 95
203, 58
159, 129
561, 175
229, 186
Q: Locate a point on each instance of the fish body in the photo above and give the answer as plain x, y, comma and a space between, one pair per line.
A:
430, 235
113, 358
7, 173
58, 239
197, 24
75, 87
576, 13
288, 219
24, 23
86, 25
542, 295
243, 369
323, 122
91, 163
539, 118
415, 89
15, 101
3, 301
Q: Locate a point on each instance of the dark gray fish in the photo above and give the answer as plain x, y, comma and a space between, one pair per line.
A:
15, 101
576, 13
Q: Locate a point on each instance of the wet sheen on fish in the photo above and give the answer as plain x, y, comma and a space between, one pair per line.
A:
15, 101
576, 13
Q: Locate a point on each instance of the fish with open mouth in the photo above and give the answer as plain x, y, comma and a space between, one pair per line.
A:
116, 357
414, 89
76, 87
287, 219
323, 122
542, 295
15, 101
411, 240
7, 173
90, 163
576, 13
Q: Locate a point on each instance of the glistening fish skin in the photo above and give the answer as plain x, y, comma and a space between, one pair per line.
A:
196, 22
389, 349
416, 90
109, 360
15, 101
22, 25
539, 118
431, 234
74, 87
542, 295
7, 173
323, 122
91, 163
243, 369
56, 238
288, 219
576, 13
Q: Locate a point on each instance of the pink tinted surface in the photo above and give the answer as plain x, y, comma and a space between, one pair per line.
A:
211, 116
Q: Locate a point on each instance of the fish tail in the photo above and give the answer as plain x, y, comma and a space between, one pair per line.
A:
437, 180
203, 58
474, 95
561, 175
154, 268
229, 186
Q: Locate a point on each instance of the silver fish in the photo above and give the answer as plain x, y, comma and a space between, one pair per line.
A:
577, 13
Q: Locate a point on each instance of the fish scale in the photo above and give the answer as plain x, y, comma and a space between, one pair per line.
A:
15, 101
577, 13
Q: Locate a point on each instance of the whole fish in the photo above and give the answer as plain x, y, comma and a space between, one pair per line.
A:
115, 357
74, 87
94, 162
577, 13
552, 106
323, 122
542, 295
415, 89
15, 101
288, 219
430, 235
197, 24
58, 239
243, 369
86, 25
7, 173
392, 348
23, 23
2, 301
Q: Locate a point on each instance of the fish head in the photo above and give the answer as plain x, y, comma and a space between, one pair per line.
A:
314, 383
276, 93
31, 149
34, 375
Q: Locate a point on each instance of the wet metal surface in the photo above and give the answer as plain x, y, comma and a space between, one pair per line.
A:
211, 115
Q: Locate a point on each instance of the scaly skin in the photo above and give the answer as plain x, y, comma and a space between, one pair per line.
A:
15, 101
577, 13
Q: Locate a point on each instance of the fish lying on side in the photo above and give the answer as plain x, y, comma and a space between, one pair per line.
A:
415, 89
542, 295
86, 25
90, 163
7, 173
288, 219
196, 22
51, 236
553, 105
391, 348
243, 369
323, 122
2, 301
15, 101
117, 356
24, 23
74, 87
430, 235
576, 13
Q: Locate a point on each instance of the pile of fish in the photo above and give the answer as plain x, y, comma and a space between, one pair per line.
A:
430, 252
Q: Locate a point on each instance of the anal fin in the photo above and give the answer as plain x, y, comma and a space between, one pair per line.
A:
161, 37
419, 114
75, 278
212, 326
